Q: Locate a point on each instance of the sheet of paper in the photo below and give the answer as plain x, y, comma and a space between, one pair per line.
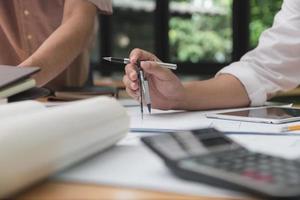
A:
46, 141
136, 167
166, 121
283, 146
130, 164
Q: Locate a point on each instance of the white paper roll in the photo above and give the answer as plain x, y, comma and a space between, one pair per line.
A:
41, 143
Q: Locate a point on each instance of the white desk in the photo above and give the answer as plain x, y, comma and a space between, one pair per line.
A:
135, 166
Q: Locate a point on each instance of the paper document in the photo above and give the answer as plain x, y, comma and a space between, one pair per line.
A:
39, 141
136, 167
170, 121
283, 146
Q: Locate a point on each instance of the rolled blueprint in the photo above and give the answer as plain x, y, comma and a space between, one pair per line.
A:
37, 144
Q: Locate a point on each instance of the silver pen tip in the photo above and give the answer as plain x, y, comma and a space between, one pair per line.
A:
107, 58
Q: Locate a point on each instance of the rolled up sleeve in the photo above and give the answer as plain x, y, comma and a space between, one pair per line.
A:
104, 6
275, 64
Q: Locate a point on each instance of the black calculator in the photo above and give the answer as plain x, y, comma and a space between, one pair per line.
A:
209, 156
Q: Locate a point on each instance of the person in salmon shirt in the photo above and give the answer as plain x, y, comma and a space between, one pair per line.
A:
54, 35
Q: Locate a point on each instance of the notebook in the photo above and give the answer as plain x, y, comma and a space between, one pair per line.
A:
14, 80
16, 88
71, 94
10, 74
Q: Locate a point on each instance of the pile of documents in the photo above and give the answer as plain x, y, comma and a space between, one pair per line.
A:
14, 80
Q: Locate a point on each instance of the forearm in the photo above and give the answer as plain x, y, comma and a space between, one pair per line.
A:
64, 45
224, 91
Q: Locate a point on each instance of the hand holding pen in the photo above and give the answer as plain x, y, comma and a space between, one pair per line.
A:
165, 89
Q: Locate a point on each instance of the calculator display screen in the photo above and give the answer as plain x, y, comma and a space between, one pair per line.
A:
267, 113
216, 141
212, 139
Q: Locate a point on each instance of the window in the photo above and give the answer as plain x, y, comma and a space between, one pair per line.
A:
202, 36
200, 30
262, 16
132, 26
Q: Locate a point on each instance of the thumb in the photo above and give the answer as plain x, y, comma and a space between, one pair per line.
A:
156, 70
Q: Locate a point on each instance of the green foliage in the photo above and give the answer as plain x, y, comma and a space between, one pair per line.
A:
262, 16
202, 37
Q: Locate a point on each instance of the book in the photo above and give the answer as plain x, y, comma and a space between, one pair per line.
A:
14, 80
17, 88
31, 94
71, 94
10, 74
37, 141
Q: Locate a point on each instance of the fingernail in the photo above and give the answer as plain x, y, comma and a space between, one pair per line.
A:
133, 59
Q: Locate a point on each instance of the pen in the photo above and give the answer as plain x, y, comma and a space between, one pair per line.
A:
143, 82
141, 86
127, 61
145, 86
290, 128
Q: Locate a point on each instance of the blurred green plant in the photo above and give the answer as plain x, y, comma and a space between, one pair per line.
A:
262, 16
202, 37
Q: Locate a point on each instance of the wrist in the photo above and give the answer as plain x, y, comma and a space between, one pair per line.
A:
181, 103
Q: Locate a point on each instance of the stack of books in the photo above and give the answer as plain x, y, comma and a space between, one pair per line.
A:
14, 80
73, 94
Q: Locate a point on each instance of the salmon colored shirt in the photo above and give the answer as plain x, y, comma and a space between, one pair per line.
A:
26, 24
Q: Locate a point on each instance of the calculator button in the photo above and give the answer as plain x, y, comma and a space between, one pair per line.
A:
257, 176
210, 161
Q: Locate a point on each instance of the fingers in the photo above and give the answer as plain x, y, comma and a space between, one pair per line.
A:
156, 70
139, 54
131, 72
147, 64
133, 94
132, 87
130, 81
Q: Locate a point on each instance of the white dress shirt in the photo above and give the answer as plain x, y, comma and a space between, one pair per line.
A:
275, 64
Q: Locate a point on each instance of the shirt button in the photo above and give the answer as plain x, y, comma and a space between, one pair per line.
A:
26, 12
29, 37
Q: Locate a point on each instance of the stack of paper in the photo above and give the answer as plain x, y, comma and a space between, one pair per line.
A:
37, 141
14, 80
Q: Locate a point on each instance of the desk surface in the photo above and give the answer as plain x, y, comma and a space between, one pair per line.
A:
53, 190
63, 190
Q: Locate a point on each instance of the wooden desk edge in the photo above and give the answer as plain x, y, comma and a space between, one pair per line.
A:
64, 190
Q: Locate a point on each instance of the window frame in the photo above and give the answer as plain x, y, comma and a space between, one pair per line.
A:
240, 29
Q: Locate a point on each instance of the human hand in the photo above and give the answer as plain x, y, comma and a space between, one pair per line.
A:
166, 90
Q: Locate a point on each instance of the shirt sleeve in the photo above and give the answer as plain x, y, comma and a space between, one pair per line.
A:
275, 64
104, 6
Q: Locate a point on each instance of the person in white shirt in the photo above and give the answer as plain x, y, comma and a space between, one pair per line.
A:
271, 67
